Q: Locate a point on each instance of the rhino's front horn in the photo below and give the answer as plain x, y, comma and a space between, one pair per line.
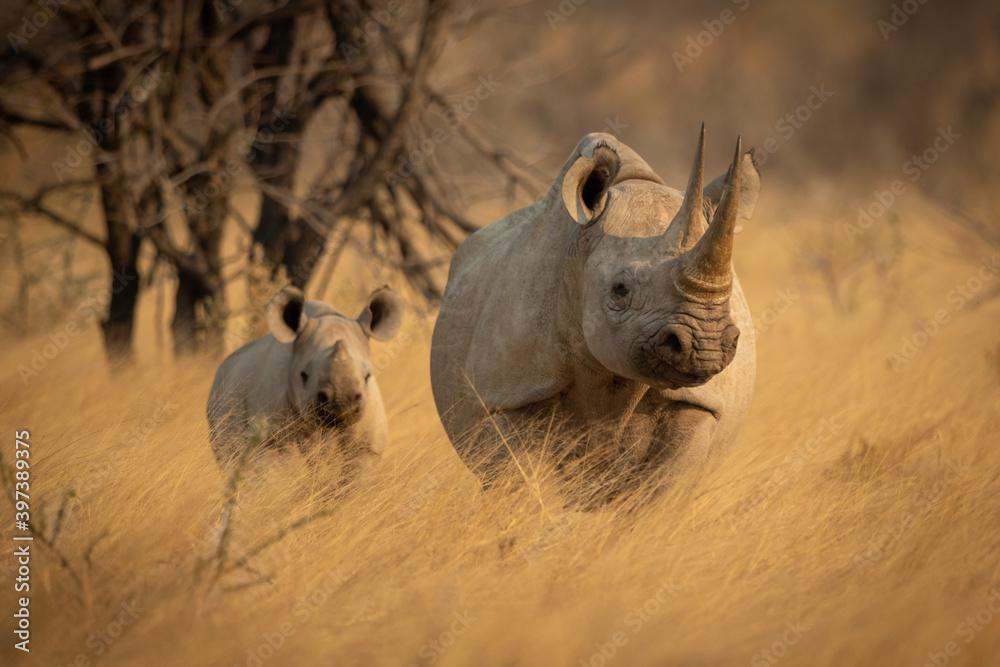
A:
706, 269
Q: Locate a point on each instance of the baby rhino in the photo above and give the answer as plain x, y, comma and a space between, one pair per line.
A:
308, 383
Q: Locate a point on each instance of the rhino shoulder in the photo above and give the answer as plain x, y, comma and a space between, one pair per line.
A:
496, 324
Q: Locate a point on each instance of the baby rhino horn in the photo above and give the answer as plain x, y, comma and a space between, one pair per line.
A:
339, 351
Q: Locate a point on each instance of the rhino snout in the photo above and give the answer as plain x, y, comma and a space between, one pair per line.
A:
340, 403
693, 356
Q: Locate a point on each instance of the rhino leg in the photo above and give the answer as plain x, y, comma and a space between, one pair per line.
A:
596, 464
509, 445
681, 444
494, 447
359, 465
350, 457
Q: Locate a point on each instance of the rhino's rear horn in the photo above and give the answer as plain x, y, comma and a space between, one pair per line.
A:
707, 267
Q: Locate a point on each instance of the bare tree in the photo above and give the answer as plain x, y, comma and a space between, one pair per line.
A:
182, 99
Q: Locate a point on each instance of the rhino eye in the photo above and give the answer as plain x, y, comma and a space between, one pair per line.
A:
619, 298
368, 377
304, 376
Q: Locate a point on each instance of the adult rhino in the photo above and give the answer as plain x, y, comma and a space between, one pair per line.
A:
309, 382
609, 307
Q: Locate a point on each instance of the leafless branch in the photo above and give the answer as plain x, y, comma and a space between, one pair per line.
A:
36, 204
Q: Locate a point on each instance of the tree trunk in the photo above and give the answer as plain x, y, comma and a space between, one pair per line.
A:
286, 242
200, 305
122, 242
122, 246
190, 326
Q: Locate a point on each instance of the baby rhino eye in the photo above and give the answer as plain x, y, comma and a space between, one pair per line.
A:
305, 377
620, 289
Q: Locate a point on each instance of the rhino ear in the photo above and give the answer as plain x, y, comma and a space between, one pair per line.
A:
286, 316
749, 189
383, 314
585, 185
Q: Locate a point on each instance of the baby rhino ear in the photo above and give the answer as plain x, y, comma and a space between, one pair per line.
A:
286, 317
383, 315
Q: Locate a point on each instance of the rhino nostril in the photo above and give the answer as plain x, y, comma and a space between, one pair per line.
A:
674, 344
323, 397
356, 399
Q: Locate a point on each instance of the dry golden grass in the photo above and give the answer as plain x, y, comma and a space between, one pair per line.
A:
840, 454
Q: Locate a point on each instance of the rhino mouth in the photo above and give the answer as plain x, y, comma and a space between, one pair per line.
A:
665, 376
335, 420
700, 401
679, 379
698, 407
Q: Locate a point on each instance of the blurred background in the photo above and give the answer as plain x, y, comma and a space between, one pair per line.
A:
189, 157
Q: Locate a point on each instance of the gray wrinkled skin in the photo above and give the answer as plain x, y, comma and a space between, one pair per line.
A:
608, 307
307, 384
